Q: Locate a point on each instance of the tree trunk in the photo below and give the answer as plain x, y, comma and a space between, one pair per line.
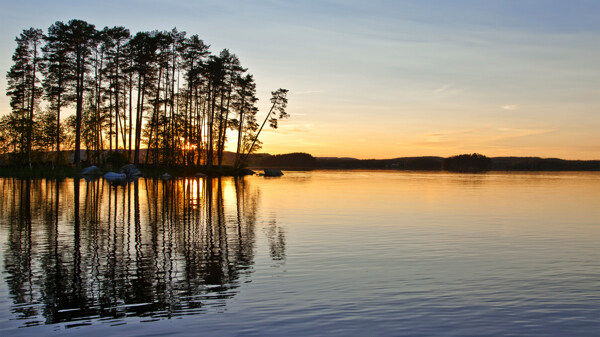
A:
137, 119
257, 134
117, 101
30, 126
130, 112
209, 155
58, 126
79, 109
154, 122
240, 128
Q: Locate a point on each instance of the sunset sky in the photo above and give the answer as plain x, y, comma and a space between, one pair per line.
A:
385, 79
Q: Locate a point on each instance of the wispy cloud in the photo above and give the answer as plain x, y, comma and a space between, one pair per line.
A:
457, 132
447, 89
301, 143
307, 92
510, 107
449, 138
288, 128
509, 133
441, 89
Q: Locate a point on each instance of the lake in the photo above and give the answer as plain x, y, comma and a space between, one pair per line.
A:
331, 253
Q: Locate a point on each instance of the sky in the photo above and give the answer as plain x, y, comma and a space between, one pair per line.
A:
387, 79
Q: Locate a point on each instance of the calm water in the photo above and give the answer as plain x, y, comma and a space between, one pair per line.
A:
336, 253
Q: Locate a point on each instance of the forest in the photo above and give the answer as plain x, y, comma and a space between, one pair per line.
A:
149, 98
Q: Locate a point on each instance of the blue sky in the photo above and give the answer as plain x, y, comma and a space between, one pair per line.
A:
389, 78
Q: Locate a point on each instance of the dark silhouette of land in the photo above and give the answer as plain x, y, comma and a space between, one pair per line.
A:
306, 161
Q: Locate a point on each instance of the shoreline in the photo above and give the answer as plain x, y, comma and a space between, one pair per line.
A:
147, 172
226, 171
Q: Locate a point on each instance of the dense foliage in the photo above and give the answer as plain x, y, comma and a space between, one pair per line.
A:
161, 90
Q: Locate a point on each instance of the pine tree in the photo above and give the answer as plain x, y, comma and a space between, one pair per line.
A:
245, 106
58, 75
23, 86
80, 37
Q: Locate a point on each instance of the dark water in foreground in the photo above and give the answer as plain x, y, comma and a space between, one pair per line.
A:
310, 253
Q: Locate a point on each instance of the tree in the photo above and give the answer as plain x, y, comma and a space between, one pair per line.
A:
95, 103
182, 101
245, 106
279, 104
193, 57
143, 47
46, 134
214, 72
22, 84
171, 122
115, 38
80, 38
9, 133
232, 72
58, 75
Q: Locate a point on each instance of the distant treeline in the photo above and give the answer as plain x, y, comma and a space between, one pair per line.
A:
461, 163
160, 90
467, 163
297, 160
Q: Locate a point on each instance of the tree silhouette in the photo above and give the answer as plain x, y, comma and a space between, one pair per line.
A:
58, 75
278, 105
114, 39
79, 37
22, 85
159, 89
245, 105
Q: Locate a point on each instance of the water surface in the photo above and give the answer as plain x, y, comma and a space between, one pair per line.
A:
310, 253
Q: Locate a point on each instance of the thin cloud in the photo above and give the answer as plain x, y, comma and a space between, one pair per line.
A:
302, 143
458, 132
307, 92
441, 89
510, 107
285, 128
510, 133
448, 138
447, 90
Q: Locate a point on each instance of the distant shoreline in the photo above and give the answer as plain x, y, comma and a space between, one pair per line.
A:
304, 161
428, 163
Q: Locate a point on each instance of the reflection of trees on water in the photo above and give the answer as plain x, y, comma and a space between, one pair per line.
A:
83, 251
276, 236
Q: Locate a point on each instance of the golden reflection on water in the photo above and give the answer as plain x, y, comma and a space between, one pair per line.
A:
79, 250
194, 189
438, 200
360, 246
